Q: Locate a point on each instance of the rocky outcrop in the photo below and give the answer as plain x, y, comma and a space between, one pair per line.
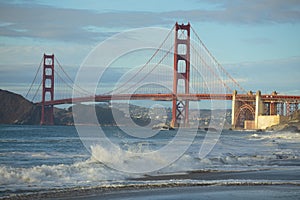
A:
15, 109
292, 124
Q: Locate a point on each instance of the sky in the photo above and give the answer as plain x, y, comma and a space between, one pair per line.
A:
256, 41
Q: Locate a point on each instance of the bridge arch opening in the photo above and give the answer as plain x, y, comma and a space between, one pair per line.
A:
48, 61
181, 66
182, 49
246, 112
182, 34
48, 96
48, 71
48, 83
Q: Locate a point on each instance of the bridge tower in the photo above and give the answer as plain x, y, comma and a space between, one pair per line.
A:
180, 108
47, 116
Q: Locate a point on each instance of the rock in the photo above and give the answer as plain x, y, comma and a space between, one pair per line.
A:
259, 130
290, 128
284, 128
277, 127
210, 129
296, 115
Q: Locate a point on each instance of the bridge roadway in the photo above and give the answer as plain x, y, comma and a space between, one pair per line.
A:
169, 97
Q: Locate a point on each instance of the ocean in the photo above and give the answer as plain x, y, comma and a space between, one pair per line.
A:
45, 161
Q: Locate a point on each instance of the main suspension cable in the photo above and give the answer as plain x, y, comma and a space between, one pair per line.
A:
38, 70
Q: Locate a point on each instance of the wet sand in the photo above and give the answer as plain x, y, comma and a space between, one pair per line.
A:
204, 192
265, 184
282, 174
235, 192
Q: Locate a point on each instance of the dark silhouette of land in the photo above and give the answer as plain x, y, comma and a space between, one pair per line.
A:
15, 109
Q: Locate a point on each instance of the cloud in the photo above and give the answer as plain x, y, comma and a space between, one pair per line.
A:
281, 75
67, 24
79, 25
70, 33
244, 12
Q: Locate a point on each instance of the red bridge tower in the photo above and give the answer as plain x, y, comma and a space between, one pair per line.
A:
180, 108
47, 116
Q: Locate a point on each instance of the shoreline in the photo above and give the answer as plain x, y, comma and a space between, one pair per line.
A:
196, 182
181, 191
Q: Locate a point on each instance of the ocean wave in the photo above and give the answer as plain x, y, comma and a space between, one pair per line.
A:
43, 140
92, 174
283, 136
92, 171
56, 176
71, 168
42, 155
228, 162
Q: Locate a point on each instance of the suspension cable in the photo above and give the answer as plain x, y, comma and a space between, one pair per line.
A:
69, 78
155, 53
38, 70
36, 91
143, 78
209, 67
215, 60
68, 84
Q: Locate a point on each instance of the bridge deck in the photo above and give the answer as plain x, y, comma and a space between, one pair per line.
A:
169, 97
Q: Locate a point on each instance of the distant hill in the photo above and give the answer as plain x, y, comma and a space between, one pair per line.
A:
104, 114
15, 109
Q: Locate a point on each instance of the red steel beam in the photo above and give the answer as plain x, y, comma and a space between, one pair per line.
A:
167, 97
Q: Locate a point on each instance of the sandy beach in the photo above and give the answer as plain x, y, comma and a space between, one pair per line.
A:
197, 192
265, 184
183, 192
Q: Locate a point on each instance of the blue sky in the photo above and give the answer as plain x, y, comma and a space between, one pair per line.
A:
256, 41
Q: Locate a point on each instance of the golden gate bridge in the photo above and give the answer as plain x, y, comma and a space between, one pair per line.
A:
195, 75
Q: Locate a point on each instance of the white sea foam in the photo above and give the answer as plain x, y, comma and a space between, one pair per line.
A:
91, 171
135, 159
233, 152
45, 176
286, 136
